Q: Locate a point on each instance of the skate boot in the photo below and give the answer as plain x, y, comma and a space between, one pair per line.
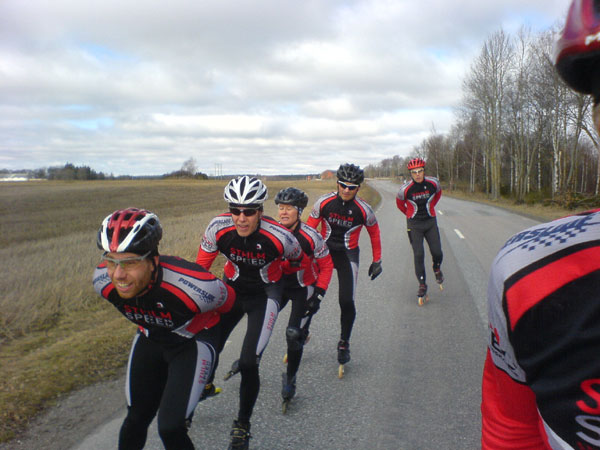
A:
343, 349
288, 390
210, 390
240, 436
439, 277
422, 296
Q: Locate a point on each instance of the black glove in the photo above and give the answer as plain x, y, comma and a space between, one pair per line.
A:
375, 269
314, 302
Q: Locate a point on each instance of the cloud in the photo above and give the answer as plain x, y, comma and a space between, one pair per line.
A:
268, 86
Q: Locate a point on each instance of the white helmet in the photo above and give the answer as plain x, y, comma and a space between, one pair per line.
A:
245, 191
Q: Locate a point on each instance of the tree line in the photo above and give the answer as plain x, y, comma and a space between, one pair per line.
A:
519, 131
71, 172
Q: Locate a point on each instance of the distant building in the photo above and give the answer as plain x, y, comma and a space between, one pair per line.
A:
328, 175
16, 176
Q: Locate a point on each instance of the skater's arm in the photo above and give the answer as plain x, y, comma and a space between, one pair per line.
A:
205, 259
436, 197
325, 266
208, 247
401, 204
375, 236
313, 222
510, 419
401, 198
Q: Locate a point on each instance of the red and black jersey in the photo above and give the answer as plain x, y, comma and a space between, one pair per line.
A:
252, 261
541, 384
418, 200
319, 267
183, 300
341, 222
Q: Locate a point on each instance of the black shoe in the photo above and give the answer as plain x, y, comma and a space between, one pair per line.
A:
240, 436
422, 290
343, 349
439, 276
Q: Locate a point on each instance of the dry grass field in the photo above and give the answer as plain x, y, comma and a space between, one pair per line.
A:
56, 334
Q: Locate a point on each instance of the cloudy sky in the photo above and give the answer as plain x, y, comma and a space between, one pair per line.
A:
264, 86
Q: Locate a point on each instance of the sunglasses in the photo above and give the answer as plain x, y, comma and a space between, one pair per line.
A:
125, 263
350, 187
248, 212
417, 171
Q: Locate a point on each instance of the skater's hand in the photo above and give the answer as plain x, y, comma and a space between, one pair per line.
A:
375, 270
314, 302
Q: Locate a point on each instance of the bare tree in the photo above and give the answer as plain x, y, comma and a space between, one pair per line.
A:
486, 86
190, 167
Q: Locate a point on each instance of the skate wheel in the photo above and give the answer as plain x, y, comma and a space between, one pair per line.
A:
441, 287
341, 371
285, 359
423, 300
218, 390
284, 406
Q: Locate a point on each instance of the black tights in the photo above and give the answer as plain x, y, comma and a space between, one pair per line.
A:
417, 231
346, 266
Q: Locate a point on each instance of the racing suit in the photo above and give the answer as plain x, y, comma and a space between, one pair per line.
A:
341, 223
254, 270
417, 201
173, 352
299, 286
541, 381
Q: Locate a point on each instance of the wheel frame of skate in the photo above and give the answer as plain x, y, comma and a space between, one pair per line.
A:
422, 300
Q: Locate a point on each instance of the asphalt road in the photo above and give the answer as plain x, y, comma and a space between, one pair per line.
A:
415, 375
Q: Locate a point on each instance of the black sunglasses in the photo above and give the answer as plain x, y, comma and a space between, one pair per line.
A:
350, 187
248, 212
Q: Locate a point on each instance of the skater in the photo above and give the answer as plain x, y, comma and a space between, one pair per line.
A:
541, 381
341, 216
176, 305
254, 246
417, 199
305, 288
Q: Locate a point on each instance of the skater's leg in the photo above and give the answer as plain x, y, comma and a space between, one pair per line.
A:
432, 235
346, 264
145, 381
227, 323
294, 333
189, 368
262, 315
415, 237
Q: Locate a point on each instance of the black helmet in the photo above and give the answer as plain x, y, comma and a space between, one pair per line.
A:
130, 230
577, 52
292, 196
351, 173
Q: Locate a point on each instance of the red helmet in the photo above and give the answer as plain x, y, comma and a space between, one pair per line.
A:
415, 163
577, 52
130, 230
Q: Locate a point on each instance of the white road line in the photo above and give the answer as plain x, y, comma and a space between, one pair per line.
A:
460, 235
